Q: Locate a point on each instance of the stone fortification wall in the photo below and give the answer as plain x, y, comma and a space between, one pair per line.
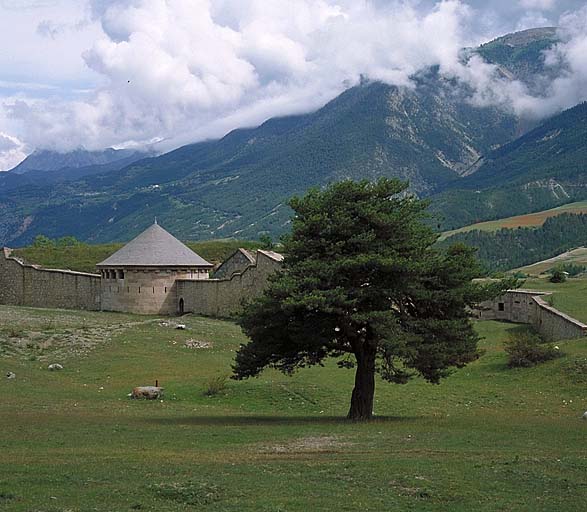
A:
141, 291
528, 307
554, 325
240, 260
144, 291
224, 297
31, 285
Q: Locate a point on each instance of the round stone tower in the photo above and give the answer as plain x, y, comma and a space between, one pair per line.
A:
140, 277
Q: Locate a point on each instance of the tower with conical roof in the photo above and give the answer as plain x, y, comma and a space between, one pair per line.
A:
140, 277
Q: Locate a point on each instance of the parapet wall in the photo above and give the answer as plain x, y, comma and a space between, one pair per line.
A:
31, 285
224, 297
554, 325
528, 307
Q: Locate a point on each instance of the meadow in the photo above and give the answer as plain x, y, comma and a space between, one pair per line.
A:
488, 438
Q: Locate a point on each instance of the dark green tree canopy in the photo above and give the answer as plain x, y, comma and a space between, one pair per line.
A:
362, 282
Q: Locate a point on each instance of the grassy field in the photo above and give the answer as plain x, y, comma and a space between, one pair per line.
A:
521, 221
488, 438
576, 257
84, 257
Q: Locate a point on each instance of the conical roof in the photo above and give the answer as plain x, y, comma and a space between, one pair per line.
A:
155, 247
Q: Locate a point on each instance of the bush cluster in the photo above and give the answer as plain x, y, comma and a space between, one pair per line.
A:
526, 349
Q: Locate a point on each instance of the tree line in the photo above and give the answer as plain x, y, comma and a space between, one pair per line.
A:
506, 249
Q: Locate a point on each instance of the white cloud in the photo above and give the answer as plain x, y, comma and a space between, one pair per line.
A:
544, 5
12, 151
184, 70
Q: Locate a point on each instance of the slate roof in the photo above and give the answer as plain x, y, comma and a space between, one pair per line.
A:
155, 247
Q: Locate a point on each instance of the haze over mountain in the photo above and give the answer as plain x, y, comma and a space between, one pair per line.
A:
45, 160
43, 168
432, 135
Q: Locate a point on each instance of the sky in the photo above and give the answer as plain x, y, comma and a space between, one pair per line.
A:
163, 73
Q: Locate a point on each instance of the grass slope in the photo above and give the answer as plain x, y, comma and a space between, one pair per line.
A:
486, 439
576, 257
520, 221
84, 257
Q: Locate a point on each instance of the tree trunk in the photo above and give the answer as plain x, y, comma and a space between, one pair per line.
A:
364, 390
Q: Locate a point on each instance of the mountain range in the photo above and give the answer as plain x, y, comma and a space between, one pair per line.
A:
470, 160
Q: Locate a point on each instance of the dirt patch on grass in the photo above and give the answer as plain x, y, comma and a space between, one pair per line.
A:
28, 333
310, 444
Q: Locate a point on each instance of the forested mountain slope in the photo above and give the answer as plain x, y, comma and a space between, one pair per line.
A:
544, 168
237, 186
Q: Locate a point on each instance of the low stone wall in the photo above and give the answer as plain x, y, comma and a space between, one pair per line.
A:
554, 325
31, 285
528, 307
224, 297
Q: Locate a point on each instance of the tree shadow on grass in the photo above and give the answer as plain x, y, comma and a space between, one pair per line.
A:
260, 420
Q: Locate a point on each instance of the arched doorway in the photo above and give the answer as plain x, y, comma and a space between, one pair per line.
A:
181, 307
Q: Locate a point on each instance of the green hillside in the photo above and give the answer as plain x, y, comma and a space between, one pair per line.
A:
506, 249
543, 169
519, 221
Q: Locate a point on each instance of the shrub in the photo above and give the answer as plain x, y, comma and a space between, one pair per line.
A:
558, 276
571, 269
526, 349
215, 385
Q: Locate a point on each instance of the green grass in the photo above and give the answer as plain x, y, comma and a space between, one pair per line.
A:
569, 297
84, 257
486, 439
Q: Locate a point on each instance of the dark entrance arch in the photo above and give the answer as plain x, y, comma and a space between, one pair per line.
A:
181, 307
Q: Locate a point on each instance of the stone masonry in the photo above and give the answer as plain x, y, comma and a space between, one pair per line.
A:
31, 285
529, 307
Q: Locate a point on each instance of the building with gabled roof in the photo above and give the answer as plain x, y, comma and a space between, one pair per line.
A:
141, 276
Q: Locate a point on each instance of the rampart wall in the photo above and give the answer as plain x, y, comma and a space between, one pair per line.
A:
553, 324
529, 307
224, 297
31, 285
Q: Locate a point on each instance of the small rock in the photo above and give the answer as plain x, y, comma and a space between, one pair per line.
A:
147, 393
11, 375
181, 327
197, 344
55, 367
585, 415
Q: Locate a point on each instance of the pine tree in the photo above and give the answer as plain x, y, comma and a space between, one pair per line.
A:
362, 283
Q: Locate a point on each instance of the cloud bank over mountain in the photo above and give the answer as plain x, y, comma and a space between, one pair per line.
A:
169, 72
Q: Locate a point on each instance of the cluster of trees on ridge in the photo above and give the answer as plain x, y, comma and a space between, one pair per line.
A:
506, 249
